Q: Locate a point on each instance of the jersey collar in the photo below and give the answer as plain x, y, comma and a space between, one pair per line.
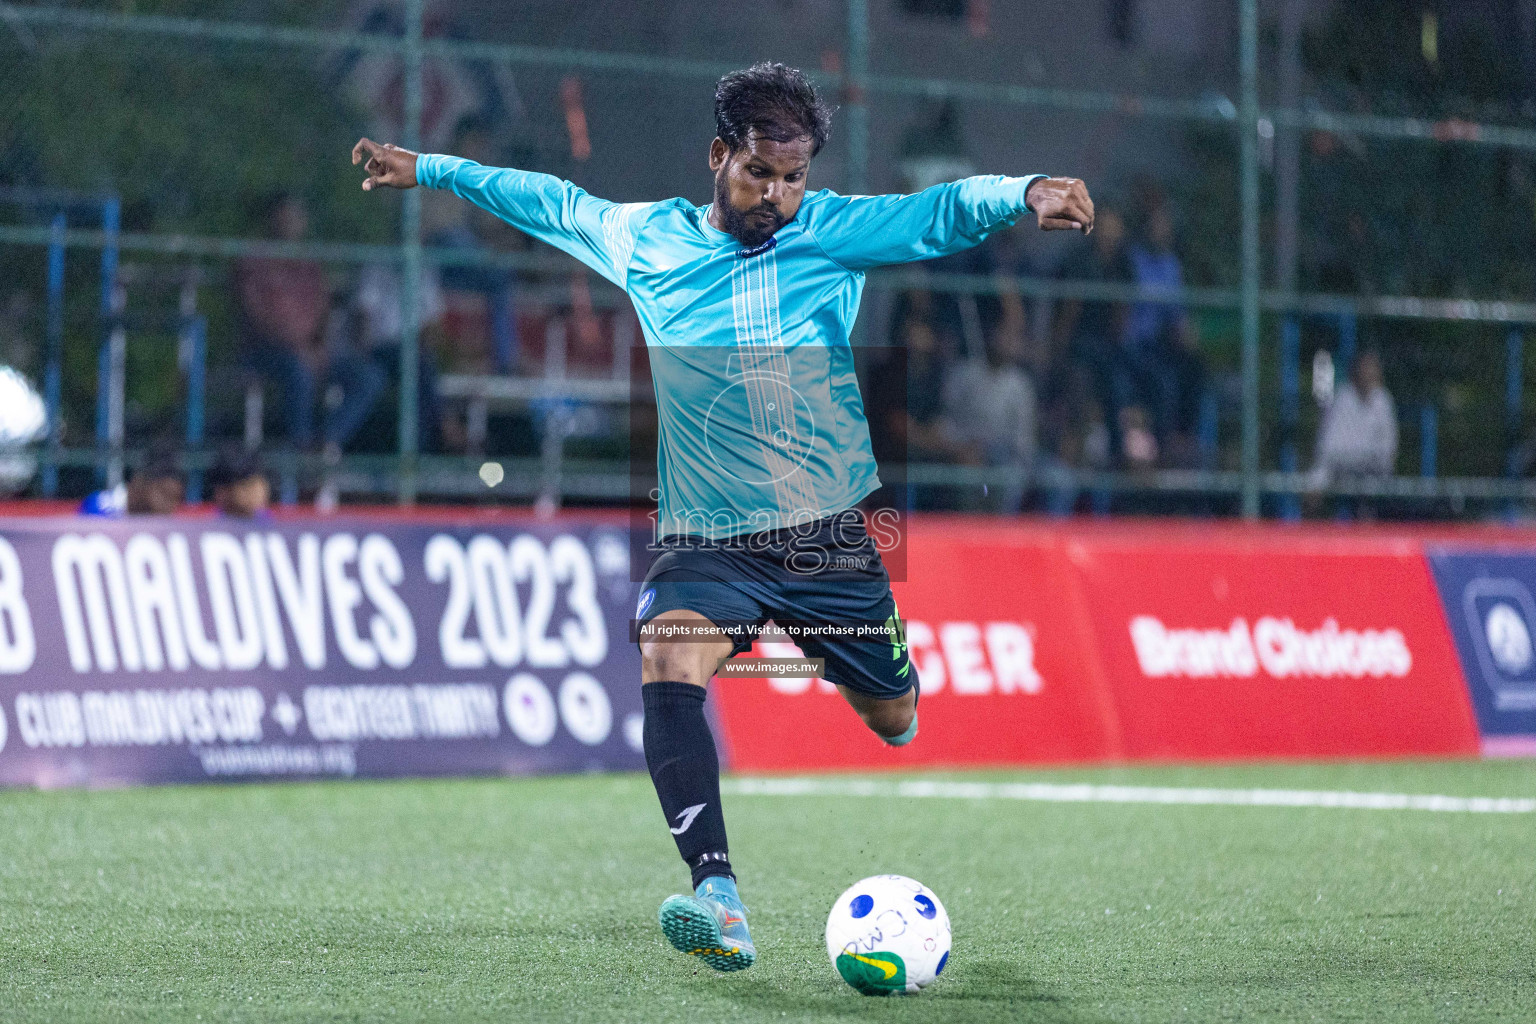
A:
725, 237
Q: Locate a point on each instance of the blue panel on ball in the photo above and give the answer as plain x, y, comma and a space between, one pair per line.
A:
942, 961
925, 906
861, 905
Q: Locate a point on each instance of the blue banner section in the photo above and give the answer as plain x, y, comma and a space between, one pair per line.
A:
150, 650
1490, 605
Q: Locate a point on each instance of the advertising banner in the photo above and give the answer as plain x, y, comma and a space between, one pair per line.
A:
1273, 646
181, 650
999, 644
150, 650
1489, 604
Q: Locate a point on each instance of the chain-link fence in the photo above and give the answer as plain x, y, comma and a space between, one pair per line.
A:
1292, 198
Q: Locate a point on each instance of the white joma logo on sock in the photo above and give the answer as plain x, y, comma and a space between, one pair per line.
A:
687, 814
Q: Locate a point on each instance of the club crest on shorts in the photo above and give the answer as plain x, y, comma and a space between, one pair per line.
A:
646, 600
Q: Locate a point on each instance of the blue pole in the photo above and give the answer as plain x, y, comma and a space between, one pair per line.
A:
1210, 429
1248, 130
197, 375
504, 328
1429, 438
1290, 408
111, 216
1347, 335
53, 372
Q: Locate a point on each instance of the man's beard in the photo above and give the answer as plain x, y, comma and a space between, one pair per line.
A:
749, 227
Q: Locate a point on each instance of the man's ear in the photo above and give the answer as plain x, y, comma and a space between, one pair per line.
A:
719, 152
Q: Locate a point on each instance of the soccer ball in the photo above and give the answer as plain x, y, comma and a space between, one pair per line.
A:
887, 935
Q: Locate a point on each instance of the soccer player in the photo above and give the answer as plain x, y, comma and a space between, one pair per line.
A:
763, 452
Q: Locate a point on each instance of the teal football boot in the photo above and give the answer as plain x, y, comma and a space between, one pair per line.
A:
711, 925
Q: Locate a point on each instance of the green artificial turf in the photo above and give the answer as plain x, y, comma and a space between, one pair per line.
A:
535, 899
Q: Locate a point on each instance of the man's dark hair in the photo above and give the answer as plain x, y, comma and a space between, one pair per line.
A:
162, 460
773, 101
234, 464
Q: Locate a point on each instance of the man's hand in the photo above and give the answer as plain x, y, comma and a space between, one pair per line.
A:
1060, 204
385, 165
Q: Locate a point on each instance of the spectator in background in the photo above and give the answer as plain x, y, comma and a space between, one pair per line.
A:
239, 484
284, 306
906, 409
480, 314
153, 489
1162, 355
1075, 438
381, 327
929, 434
991, 403
1358, 435
1090, 334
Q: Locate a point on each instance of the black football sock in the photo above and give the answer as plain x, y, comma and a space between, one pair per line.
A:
685, 769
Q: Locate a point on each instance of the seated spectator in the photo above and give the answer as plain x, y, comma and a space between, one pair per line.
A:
905, 406
1167, 375
240, 486
926, 429
1358, 435
284, 305
991, 403
479, 320
381, 326
1138, 440
1091, 333
153, 489
1074, 439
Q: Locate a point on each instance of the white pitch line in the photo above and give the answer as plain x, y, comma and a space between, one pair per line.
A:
1085, 793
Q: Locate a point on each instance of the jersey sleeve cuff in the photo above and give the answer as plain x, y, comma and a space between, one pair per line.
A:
431, 168
1025, 182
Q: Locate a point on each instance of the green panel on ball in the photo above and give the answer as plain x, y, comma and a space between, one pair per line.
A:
874, 974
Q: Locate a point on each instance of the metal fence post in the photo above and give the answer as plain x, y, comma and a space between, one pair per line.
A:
856, 100
1249, 127
1290, 409
410, 274
110, 361
195, 335
53, 373
1514, 394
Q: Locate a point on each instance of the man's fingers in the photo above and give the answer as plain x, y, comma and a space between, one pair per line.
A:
1067, 214
365, 147
1067, 207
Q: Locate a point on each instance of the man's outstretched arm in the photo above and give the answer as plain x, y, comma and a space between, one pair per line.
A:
860, 232
599, 233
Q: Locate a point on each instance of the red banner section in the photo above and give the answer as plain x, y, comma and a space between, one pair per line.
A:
997, 644
1229, 647
1044, 643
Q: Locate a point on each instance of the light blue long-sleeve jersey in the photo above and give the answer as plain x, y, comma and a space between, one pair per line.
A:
761, 422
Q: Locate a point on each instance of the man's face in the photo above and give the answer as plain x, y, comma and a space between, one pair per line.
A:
244, 499
290, 221
1108, 232
1368, 373
759, 187
154, 496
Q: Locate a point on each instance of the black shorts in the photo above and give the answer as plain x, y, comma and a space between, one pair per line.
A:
823, 583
